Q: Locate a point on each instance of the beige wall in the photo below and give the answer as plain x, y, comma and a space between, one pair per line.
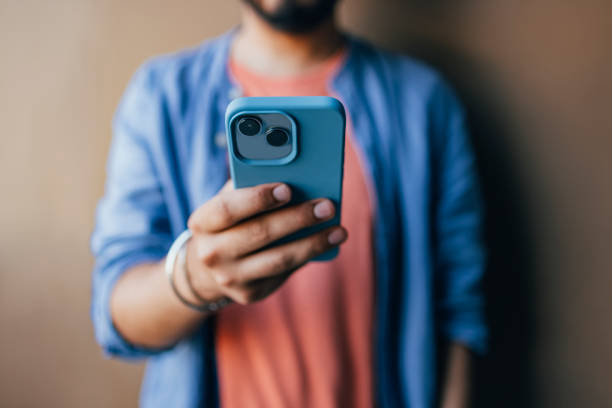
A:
535, 76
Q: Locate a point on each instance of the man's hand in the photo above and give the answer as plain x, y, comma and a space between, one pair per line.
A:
456, 386
225, 255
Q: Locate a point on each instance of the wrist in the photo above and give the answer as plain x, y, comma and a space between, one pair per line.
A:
176, 268
199, 283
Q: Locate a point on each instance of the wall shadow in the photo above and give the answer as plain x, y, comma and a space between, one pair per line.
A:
502, 377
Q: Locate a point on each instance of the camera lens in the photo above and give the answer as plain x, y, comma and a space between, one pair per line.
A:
249, 126
277, 137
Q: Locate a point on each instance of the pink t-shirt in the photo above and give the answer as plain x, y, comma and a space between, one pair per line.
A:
310, 343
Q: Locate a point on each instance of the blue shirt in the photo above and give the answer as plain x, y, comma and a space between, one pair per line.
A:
168, 157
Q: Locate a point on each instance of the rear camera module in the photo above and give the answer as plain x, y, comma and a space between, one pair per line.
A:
249, 126
277, 137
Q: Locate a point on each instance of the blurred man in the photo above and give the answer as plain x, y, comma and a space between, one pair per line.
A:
387, 323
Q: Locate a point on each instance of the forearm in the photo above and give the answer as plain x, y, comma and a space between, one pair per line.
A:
457, 378
228, 256
146, 311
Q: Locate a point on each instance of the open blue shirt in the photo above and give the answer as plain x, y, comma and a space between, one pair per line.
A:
168, 156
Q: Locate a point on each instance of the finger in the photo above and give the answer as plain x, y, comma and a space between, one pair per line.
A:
279, 260
256, 290
228, 208
265, 229
228, 186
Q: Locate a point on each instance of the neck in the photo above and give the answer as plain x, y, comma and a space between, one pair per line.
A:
265, 50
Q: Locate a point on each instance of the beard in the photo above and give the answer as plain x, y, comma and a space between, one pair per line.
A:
293, 17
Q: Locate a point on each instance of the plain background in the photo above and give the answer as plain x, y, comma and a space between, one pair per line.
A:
536, 79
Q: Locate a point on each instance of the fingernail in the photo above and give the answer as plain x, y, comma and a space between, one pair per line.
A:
324, 209
336, 236
281, 193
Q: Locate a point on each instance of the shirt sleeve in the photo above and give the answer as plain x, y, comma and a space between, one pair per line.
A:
458, 215
132, 225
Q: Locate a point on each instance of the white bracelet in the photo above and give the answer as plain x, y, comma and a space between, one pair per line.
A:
178, 250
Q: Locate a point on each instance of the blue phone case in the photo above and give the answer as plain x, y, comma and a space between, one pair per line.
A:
315, 166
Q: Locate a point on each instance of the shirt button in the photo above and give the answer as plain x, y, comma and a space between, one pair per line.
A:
220, 140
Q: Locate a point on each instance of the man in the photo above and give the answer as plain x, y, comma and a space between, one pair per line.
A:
371, 327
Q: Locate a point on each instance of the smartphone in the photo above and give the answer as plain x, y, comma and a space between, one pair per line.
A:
294, 140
